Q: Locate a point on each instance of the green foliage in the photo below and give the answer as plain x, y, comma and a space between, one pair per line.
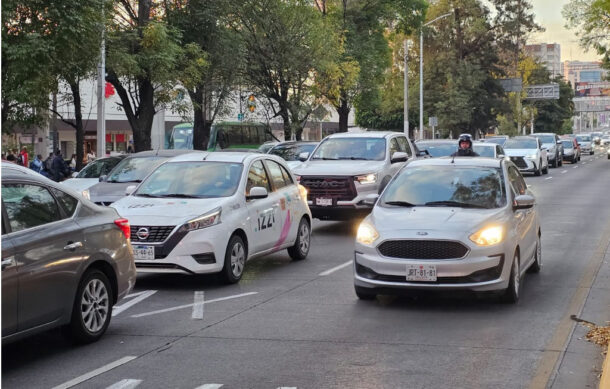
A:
591, 21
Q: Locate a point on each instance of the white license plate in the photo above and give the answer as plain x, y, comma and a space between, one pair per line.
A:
421, 273
324, 202
144, 253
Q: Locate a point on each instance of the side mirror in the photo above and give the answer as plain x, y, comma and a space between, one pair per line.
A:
257, 192
74, 174
500, 156
558, 142
130, 189
371, 199
303, 156
423, 153
103, 178
399, 156
524, 202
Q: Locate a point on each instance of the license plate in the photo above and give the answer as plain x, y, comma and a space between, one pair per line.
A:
144, 253
324, 202
421, 273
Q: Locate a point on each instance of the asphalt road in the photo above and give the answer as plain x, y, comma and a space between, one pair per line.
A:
299, 324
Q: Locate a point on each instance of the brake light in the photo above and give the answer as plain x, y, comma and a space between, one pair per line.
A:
123, 224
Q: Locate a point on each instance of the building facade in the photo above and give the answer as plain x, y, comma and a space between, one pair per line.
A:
549, 54
579, 71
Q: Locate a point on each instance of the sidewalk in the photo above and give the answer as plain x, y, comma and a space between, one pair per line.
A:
582, 364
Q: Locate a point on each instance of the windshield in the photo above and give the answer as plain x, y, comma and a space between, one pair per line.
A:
192, 180
477, 187
98, 168
521, 144
438, 149
182, 138
485, 151
134, 169
369, 149
567, 144
291, 152
546, 138
583, 138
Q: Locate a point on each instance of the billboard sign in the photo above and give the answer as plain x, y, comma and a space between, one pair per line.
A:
592, 89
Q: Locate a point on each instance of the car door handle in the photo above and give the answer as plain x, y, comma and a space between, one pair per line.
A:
73, 246
8, 262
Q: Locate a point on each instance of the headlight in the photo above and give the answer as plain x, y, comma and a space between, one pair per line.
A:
488, 236
209, 219
367, 178
302, 191
367, 234
86, 195
532, 156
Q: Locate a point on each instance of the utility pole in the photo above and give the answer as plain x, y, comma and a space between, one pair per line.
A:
406, 89
101, 100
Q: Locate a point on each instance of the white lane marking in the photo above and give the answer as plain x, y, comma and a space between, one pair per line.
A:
564, 171
287, 387
96, 372
199, 300
135, 294
210, 386
548, 178
334, 269
120, 308
125, 384
190, 305
574, 167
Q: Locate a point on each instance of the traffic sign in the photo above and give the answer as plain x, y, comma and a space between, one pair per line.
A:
433, 121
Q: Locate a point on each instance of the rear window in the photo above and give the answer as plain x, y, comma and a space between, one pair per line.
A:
134, 169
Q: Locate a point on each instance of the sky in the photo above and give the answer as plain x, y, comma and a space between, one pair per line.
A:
548, 14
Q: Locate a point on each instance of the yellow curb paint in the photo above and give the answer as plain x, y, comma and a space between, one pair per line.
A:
604, 382
556, 347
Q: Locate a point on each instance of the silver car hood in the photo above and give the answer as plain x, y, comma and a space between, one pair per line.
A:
109, 191
520, 152
338, 168
455, 219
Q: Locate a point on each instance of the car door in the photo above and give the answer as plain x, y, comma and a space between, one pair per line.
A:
524, 218
286, 192
262, 213
46, 245
10, 283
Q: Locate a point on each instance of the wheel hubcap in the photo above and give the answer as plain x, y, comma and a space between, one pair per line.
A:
238, 259
94, 305
304, 238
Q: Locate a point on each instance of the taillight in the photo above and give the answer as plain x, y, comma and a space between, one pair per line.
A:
123, 224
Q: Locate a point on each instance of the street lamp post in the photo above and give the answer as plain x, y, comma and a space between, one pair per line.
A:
406, 89
101, 102
421, 72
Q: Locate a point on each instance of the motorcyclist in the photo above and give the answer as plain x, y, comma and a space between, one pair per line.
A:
464, 147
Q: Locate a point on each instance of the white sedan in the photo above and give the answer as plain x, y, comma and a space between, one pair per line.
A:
211, 212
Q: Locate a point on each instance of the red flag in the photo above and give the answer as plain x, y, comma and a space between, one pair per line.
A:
109, 90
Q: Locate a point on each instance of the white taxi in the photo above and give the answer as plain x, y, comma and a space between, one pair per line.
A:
212, 212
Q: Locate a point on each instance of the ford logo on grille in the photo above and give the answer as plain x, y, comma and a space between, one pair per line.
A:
142, 233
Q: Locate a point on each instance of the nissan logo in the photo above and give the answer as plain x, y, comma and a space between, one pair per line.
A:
142, 233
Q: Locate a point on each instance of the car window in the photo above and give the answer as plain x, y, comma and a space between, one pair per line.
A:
516, 180
404, 145
257, 176
68, 202
521, 144
28, 206
366, 149
499, 150
394, 146
286, 175
277, 176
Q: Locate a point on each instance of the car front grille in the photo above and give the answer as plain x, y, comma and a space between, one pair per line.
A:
156, 234
520, 162
337, 188
422, 249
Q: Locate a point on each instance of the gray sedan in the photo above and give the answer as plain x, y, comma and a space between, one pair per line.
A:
450, 223
65, 260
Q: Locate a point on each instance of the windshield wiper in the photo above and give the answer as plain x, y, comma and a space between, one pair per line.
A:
123, 182
355, 158
145, 195
450, 203
400, 203
326, 158
180, 195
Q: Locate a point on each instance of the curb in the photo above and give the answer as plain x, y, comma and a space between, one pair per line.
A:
604, 382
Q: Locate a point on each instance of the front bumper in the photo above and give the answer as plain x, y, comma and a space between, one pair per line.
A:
344, 209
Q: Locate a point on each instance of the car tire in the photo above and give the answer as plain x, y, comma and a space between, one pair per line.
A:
300, 249
235, 260
537, 264
511, 294
560, 163
555, 162
92, 309
365, 293
545, 170
592, 152
538, 171
575, 159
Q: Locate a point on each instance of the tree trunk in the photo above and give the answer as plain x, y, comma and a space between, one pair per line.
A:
343, 111
78, 121
201, 124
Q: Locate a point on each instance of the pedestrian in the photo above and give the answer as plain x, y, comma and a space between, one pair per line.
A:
37, 164
90, 156
11, 157
73, 162
130, 149
23, 157
465, 147
59, 168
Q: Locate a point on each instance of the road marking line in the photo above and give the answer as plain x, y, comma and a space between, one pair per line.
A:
120, 308
575, 167
199, 300
564, 171
555, 349
96, 372
135, 294
334, 269
548, 178
210, 386
190, 305
125, 384
287, 387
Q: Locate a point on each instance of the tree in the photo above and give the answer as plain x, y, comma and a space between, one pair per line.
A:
143, 57
286, 45
591, 20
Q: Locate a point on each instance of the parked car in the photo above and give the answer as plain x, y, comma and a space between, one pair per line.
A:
212, 212
586, 143
450, 224
90, 174
65, 260
131, 170
553, 145
528, 154
346, 167
291, 150
571, 152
